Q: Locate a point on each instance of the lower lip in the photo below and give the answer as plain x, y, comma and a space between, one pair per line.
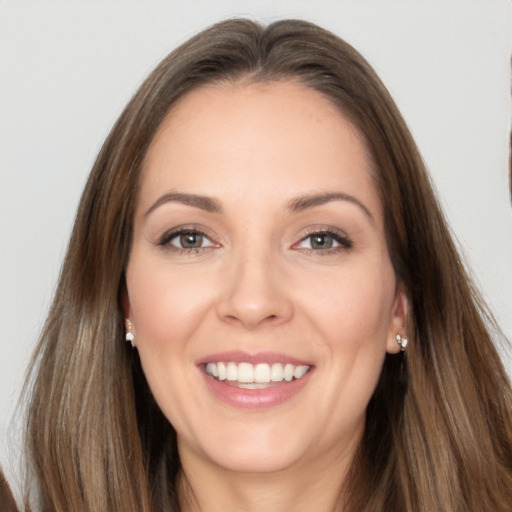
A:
255, 398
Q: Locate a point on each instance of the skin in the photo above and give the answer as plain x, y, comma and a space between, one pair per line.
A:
257, 284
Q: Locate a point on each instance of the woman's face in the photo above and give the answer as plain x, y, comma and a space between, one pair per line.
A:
260, 288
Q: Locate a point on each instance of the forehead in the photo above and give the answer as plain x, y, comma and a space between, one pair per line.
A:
278, 138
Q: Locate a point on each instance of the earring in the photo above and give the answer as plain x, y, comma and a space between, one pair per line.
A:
129, 336
402, 342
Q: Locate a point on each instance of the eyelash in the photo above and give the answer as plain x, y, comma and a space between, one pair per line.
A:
167, 238
345, 243
339, 237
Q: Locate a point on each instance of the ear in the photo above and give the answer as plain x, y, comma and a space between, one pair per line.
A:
125, 305
398, 321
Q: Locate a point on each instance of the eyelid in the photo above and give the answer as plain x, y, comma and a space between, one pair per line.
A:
343, 240
173, 240
164, 240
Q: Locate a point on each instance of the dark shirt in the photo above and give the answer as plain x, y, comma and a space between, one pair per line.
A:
7, 503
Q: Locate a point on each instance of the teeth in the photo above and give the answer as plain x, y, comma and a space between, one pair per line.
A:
300, 371
245, 372
221, 370
261, 373
288, 372
277, 372
231, 371
212, 369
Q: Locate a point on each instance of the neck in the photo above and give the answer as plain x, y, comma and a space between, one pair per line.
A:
206, 487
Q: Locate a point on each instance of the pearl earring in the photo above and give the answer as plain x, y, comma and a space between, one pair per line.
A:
129, 335
402, 342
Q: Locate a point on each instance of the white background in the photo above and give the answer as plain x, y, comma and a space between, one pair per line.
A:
68, 68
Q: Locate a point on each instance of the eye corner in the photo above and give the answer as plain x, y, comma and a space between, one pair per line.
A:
187, 240
323, 241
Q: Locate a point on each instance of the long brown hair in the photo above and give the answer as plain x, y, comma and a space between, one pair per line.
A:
439, 426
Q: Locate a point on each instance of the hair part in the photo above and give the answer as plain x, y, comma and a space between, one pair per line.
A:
439, 427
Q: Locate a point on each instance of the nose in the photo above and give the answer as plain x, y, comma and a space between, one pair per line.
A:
254, 292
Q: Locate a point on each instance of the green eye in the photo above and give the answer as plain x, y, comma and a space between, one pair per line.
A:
190, 240
321, 241
325, 241
185, 240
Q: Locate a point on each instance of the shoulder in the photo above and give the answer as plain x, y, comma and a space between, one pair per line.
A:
7, 503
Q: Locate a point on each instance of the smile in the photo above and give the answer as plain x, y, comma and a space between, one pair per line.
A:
253, 374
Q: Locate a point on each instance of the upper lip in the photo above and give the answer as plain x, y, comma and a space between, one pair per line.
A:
238, 356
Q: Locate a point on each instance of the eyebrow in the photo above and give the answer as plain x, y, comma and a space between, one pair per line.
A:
202, 202
298, 204
308, 201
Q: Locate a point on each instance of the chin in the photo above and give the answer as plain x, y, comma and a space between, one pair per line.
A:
268, 461
250, 450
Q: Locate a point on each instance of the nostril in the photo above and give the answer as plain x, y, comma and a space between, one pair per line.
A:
251, 301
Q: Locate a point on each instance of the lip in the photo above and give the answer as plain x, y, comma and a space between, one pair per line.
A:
238, 356
256, 399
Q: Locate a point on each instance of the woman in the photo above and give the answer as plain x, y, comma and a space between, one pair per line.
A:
260, 227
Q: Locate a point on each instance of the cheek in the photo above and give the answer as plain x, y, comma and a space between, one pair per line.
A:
352, 319
352, 309
165, 305
166, 309
352, 315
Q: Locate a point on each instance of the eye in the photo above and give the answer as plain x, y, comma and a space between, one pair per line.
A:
186, 239
191, 240
319, 241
